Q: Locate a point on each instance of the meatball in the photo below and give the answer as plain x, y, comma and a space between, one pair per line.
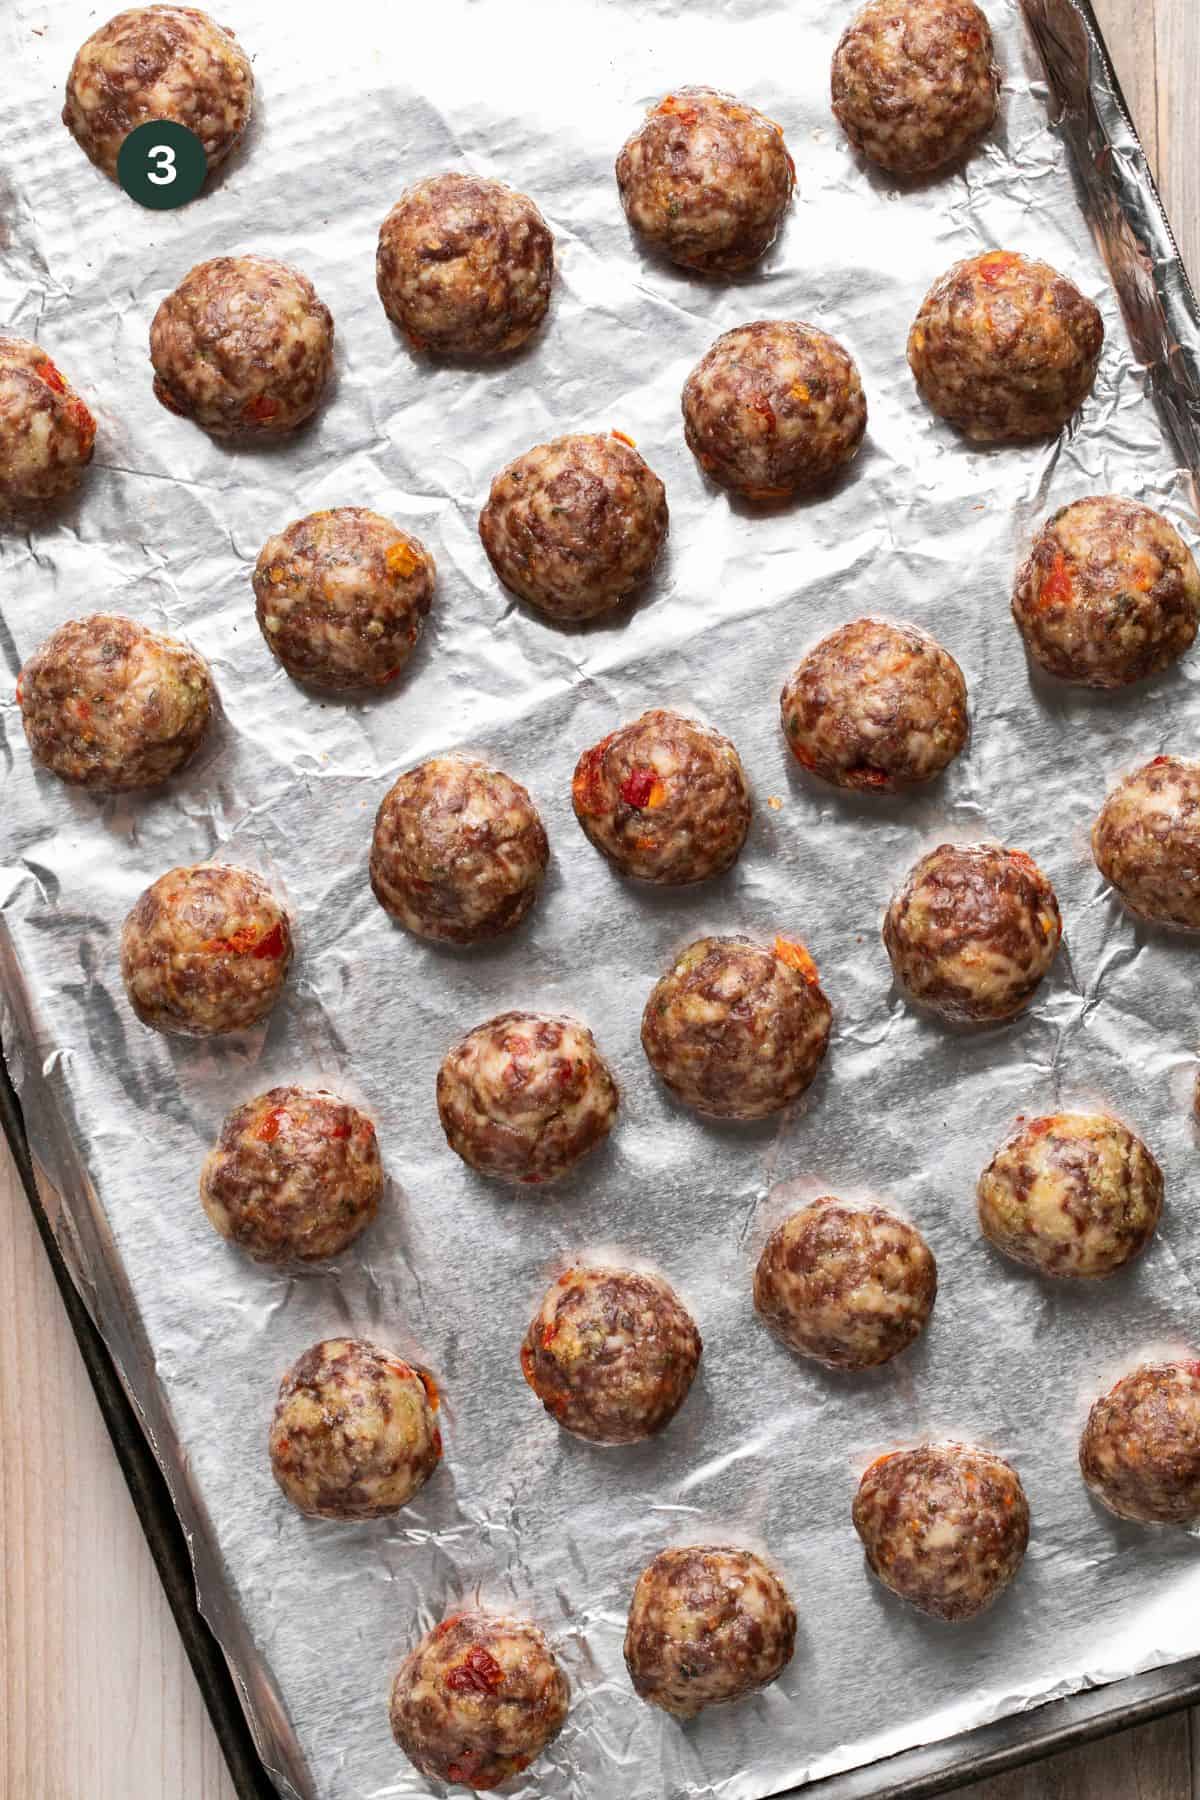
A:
576, 525
736, 1030
107, 704
875, 707
459, 851
353, 1436
1146, 841
850, 1286
611, 1354
1005, 348
243, 347
205, 950
464, 266
665, 799
705, 181
295, 1176
944, 1526
1140, 1449
774, 409
525, 1096
707, 1625
972, 931
478, 1699
1073, 1194
47, 434
915, 87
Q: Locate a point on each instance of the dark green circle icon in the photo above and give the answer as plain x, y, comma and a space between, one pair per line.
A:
162, 164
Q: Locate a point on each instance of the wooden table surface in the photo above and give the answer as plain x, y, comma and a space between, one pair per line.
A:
99, 1700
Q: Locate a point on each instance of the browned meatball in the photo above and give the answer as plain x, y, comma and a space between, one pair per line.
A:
478, 1699
665, 799
525, 1096
705, 180
47, 434
915, 86
972, 931
1140, 1449
205, 950
707, 1625
1146, 841
576, 525
295, 1175
774, 409
875, 707
1005, 348
354, 1434
108, 704
341, 598
243, 347
611, 1354
465, 266
944, 1526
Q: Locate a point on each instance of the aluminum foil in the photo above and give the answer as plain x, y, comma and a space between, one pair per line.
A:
314, 1617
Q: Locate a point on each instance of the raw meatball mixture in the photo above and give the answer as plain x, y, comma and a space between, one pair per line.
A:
611, 1354
774, 409
47, 434
525, 1096
706, 1626
353, 1436
576, 525
915, 86
108, 704
944, 1526
1005, 348
665, 799
242, 347
706, 180
972, 931
736, 1030
1146, 841
465, 266
850, 1286
1071, 1194
478, 1699
295, 1175
341, 598
205, 950
1140, 1450
875, 707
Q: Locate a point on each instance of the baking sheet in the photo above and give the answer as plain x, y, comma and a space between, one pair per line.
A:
314, 1616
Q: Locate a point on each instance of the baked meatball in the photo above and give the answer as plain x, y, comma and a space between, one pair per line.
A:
1146, 841
465, 266
205, 950
737, 1030
478, 1699
243, 347
108, 704
972, 931
875, 707
611, 1354
705, 181
354, 1435
944, 1526
47, 434
1005, 348
1072, 1194
1140, 1449
576, 525
525, 1096
707, 1625
915, 86
849, 1286
341, 598
295, 1175
774, 409
665, 799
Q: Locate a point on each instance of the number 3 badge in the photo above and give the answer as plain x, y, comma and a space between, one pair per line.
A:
162, 164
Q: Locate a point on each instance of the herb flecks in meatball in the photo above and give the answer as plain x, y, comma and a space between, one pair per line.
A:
707, 1625
47, 434
1146, 841
1140, 1450
915, 87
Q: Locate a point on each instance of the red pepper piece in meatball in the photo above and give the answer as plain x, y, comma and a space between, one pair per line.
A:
1140, 1449
707, 1625
47, 434
1146, 841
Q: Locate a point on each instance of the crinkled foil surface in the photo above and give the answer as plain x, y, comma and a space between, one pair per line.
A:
355, 102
